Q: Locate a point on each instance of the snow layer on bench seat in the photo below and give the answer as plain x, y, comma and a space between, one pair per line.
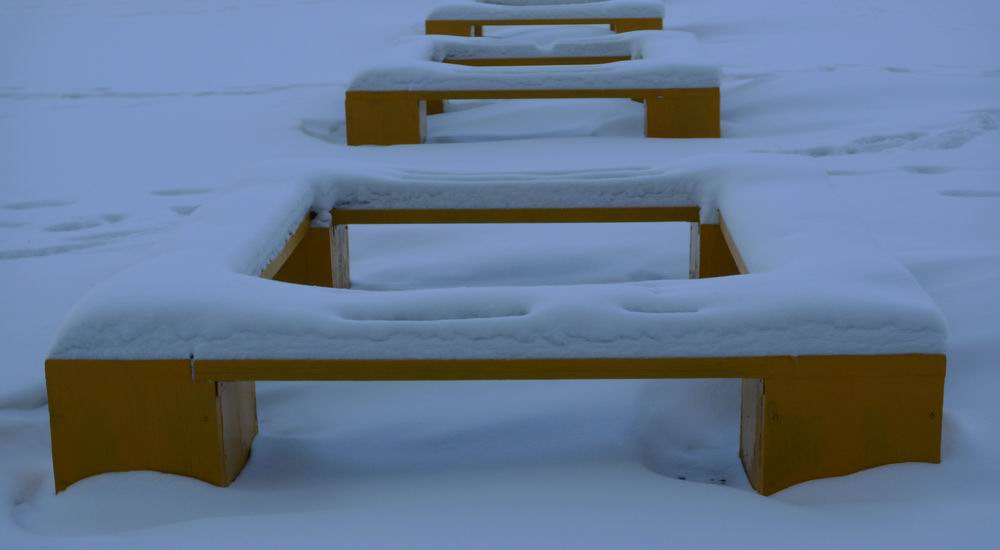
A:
818, 286
547, 9
661, 60
362, 186
459, 47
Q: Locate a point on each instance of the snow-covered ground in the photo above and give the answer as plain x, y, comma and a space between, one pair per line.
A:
118, 118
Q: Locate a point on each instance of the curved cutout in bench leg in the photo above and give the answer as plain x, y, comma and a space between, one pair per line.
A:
683, 113
118, 416
795, 429
451, 28
384, 118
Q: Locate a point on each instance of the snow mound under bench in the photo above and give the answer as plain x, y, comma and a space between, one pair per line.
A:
818, 285
547, 9
660, 60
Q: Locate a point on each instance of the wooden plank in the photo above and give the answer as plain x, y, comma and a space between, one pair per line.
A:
278, 262
483, 369
751, 435
527, 61
310, 260
651, 23
714, 256
629, 25
387, 97
238, 409
398, 117
451, 28
875, 366
517, 215
340, 256
734, 250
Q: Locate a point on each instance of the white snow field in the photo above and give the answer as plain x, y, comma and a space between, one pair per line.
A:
120, 118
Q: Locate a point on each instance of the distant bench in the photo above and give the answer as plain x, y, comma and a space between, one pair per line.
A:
840, 351
386, 104
469, 19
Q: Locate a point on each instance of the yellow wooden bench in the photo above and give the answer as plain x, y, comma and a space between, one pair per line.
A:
555, 57
469, 19
804, 416
386, 104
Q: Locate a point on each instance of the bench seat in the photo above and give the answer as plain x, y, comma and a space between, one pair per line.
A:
469, 19
840, 351
386, 103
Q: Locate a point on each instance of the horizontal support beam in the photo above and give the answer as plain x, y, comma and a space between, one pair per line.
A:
643, 21
522, 61
518, 215
785, 367
424, 95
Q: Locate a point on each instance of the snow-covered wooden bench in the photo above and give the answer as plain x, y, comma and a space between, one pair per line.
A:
840, 350
468, 19
387, 104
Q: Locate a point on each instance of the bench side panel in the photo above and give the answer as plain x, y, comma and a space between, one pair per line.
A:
119, 416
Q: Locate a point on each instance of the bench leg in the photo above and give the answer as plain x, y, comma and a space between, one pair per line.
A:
341, 257
384, 118
683, 113
119, 416
311, 262
434, 106
798, 429
710, 254
451, 28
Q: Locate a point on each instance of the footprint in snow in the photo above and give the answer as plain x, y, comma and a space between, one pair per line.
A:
330, 131
76, 242
927, 170
72, 226
975, 125
981, 122
108, 236
849, 172
659, 308
867, 144
972, 193
34, 205
184, 210
85, 223
45, 250
181, 191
